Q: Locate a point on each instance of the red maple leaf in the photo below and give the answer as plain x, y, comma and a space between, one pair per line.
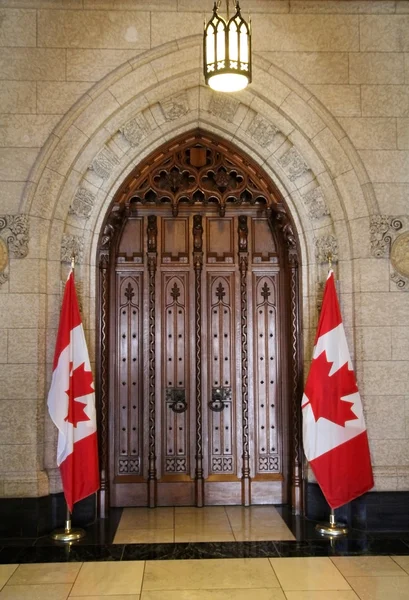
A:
324, 392
80, 385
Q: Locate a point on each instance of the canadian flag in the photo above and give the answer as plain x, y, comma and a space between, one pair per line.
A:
71, 404
334, 432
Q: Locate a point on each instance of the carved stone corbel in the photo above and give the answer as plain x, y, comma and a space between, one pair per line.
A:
390, 239
14, 237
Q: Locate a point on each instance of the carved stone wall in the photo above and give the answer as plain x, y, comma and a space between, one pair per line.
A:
326, 110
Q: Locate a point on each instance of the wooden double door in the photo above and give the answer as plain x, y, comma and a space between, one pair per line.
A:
198, 360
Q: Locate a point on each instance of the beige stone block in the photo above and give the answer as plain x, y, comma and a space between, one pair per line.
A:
11, 193
42, 3
57, 98
402, 6
384, 33
26, 346
15, 458
18, 97
400, 343
18, 420
17, 27
370, 133
67, 149
28, 131
93, 29
19, 381
22, 310
312, 67
27, 275
175, 65
32, 64
27, 485
387, 165
93, 65
311, 33
343, 6
373, 343
133, 83
385, 483
300, 112
37, 247
331, 152
340, 100
130, 5
251, 7
390, 452
385, 417
372, 274
46, 194
385, 377
385, 100
171, 26
16, 163
392, 198
3, 346
95, 114
376, 67
382, 309
403, 134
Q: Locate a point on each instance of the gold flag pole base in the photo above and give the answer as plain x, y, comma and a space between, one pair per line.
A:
331, 529
67, 534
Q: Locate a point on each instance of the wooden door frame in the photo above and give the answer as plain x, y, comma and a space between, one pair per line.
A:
279, 220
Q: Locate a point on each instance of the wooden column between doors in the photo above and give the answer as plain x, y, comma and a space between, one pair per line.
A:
243, 261
152, 263
198, 266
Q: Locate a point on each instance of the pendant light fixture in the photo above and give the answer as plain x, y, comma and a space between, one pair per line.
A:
227, 51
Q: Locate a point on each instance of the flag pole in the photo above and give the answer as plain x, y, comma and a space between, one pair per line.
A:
333, 529
68, 534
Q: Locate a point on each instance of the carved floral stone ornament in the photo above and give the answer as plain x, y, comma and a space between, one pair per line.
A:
389, 239
72, 246
400, 261
325, 247
13, 240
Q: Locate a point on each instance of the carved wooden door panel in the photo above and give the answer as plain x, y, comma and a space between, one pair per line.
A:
198, 382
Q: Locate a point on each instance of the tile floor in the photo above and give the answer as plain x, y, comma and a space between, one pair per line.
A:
312, 578
209, 524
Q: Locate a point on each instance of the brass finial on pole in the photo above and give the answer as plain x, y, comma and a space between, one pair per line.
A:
73, 261
329, 261
67, 534
332, 529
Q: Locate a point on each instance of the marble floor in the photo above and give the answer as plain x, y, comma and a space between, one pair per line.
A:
312, 578
214, 553
209, 524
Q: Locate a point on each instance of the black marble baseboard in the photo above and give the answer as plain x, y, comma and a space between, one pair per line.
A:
372, 512
54, 553
33, 517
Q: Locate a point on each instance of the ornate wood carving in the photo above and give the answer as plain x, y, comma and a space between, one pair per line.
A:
296, 385
243, 262
152, 233
222, 258
198, 265
224, 179
109, 232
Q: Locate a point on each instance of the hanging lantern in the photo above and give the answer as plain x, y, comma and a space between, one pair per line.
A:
227, 51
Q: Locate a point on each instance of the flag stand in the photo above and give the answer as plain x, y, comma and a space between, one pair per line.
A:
331, 529
67, 534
